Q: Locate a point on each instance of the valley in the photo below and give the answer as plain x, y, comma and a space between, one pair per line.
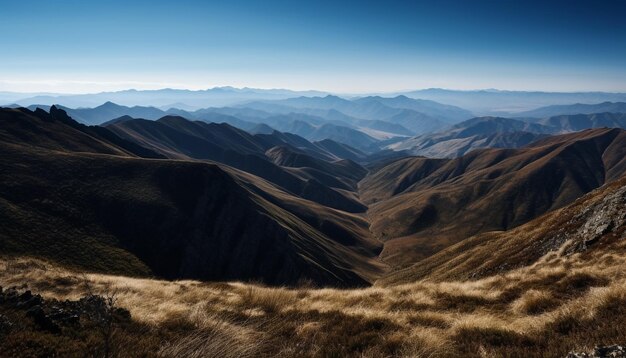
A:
226, 236
313, 179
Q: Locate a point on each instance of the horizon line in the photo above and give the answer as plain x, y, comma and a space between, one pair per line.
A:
371, 93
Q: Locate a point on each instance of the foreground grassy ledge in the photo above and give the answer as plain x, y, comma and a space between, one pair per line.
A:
555, 306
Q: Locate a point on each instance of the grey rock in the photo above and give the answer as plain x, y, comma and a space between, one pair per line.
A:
613, 351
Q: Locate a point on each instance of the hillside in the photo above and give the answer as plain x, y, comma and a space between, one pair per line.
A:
91, 205
345, 170
564, 292
178, 138
430, 204
590, 227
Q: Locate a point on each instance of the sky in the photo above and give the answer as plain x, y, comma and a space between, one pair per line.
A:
71, 46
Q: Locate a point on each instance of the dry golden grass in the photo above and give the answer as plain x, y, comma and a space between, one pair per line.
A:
558, 304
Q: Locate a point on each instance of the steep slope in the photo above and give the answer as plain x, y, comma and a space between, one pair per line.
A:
178, 138
315, 129
396, 176
276, 138
57, 131
98, 208
341, 150
346, 172
436, 204
592, 225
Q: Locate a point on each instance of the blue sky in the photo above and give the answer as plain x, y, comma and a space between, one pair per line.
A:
89, 46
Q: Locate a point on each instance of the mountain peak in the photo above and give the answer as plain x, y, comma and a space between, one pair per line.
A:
109, 104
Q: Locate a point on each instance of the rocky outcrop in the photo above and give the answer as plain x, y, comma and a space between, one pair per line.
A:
601, 218
614, 351
53, 316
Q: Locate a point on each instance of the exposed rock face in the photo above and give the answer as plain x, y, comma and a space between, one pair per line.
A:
53, 315
5, 324
601, 352
603, 217
594, 221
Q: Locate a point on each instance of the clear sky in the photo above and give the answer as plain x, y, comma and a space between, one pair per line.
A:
361, 46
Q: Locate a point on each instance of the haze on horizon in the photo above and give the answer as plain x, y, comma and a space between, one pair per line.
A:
351, 47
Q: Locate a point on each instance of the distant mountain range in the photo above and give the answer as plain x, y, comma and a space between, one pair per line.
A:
369, 124
498, 132
578, 108
368, 120
183, 198
166, 98
480, 102
508, 103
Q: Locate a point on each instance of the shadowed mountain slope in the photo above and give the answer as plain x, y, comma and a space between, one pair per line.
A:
433, 204
178, 138
57, 131
341, 150
344, 169
89, 204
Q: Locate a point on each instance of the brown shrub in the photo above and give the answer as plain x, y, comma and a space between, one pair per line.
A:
460, 302
270, 300
534, 302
